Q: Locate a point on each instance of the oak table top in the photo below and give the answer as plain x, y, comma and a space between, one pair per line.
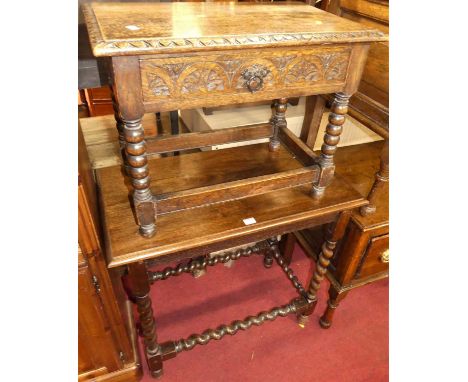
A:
210, 225
148, 28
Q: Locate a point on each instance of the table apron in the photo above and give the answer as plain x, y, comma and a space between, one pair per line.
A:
194, 80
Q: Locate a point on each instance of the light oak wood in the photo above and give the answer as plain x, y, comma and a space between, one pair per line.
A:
211, 228
126, 29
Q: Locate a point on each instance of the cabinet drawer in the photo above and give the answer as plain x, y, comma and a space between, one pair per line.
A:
375, 258
192, 80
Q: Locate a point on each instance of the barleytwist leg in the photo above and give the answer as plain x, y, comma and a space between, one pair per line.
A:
278, 120
287, 246
135, 149
335, 233
268, 259
140, 289
332, 303
333, 131
381, 177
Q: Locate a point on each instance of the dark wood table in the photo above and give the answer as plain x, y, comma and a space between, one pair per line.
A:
187, 55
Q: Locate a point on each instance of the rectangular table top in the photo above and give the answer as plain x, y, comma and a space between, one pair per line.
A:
148, 28
201, 230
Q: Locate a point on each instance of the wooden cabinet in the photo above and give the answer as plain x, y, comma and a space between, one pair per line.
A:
107, 348
99, 101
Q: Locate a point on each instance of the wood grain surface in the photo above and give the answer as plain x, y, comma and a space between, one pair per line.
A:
205, 227
145, 28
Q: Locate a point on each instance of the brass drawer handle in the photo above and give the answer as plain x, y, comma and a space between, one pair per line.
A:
385, 257
254, 76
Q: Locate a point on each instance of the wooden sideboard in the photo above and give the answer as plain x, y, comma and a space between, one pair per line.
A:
107, 347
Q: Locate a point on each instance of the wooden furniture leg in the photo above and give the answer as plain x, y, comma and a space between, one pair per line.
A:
278, 120
174, 125
334, 298
287, 247
140, 288
314, 108
126, 70
268, 259
336, 119
336, 232
381, 177
118, 123
159, 125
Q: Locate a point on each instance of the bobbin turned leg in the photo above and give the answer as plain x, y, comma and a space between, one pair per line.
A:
135, 150
140, 288
127, 70
278, 120
335, 233
333, 131
332, 303
381, 177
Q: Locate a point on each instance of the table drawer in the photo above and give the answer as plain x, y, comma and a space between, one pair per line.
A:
193, 80
375, 258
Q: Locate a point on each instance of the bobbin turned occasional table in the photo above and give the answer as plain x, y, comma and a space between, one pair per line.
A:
169, 56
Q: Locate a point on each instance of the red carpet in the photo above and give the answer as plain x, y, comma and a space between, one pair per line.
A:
354, 349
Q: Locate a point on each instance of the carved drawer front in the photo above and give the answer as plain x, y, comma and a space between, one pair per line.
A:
222, 78
375, 259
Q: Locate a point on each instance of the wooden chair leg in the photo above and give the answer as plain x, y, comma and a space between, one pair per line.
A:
334, 299
286, 246
336, 232
140, 288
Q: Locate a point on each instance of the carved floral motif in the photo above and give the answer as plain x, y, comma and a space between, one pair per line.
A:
201, 80
166, 79
303, 71
157, 85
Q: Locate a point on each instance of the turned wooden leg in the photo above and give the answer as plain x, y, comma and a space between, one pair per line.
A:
335, 233
334, 299
334, 128
268, 259
126, 70
278, 120
286, 246
135, 149
140, 288
381, 177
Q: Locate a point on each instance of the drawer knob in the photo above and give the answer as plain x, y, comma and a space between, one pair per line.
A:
385, 257
254, 76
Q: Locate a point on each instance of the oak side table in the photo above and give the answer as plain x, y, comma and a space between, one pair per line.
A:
170, 56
